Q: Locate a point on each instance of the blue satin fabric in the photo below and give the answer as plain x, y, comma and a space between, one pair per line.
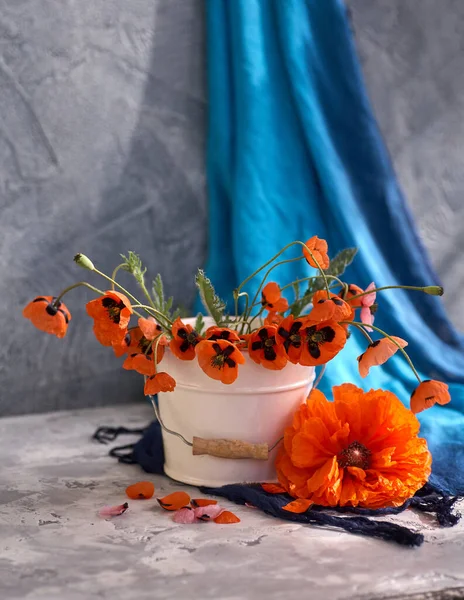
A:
294, 151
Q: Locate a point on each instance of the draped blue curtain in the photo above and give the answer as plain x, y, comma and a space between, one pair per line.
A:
294, 151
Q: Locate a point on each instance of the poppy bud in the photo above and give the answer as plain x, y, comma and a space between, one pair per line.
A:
84, 262
433, 290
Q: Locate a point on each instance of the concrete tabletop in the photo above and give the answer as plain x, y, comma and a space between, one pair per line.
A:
53, 545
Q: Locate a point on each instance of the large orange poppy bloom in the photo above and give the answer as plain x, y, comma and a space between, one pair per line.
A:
184, 340
326, 309
47, 317
360, 450
319, 250
111, 314
271, 298
219, 359
378, 353
266, 350
428, 393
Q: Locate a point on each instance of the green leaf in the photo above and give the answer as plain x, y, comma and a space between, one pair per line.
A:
213, 304
199, 324
336, 268
133, 264
339, 264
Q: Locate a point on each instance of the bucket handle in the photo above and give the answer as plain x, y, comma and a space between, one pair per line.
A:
220, 447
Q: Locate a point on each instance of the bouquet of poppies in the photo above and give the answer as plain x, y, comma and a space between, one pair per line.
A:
362, 449
269, 330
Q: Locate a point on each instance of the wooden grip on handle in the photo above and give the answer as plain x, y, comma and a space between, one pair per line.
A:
230, 449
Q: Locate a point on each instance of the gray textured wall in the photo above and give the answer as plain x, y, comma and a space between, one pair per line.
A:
101, 150
412, 52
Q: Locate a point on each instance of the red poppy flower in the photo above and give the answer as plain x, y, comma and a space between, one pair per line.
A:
149, 328
219, 359
274, 319
353, 290
378, 353
185, 338
266, 350
47, 317
111, 313
320, 342
271, 298
221, 333
289, 334
428, 393
160, 382
318, 249
135, 342
329, 309
143, 364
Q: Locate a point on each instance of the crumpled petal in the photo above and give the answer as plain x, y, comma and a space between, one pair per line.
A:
113, 511
185, 515
207, 513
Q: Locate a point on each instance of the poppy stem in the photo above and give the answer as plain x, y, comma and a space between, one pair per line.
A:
113, 275
362, 330
319, 377
76, 285
254, 301
393, 287
154, 310
405, 354
310, 278
255, 317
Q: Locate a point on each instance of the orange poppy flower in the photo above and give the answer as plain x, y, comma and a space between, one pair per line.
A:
326, 309
319, 250
221, 333
266, 350
111, 313
271, 298
160, 382
289, 334
378, 353
361, 449
353, 290
219, 359
143, 363
185, 338
138, 340
428, 393
321, 342
47, 317
274, 319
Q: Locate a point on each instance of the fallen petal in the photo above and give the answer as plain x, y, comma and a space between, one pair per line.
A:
184, 515
298, 506
273, 488
197, 502
226, 517
143, 490
174, 501
207, 513
113, 511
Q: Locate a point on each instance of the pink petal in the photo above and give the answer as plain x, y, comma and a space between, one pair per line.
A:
184, 515
208, 513
367, 318
369, 299
113, 511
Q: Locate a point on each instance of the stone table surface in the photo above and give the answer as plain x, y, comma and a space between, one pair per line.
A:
54, 479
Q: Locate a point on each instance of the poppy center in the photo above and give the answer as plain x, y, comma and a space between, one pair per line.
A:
222, 357
355, 455
113, 309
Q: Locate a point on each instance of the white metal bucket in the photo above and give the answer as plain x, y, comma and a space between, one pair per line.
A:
255, 408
